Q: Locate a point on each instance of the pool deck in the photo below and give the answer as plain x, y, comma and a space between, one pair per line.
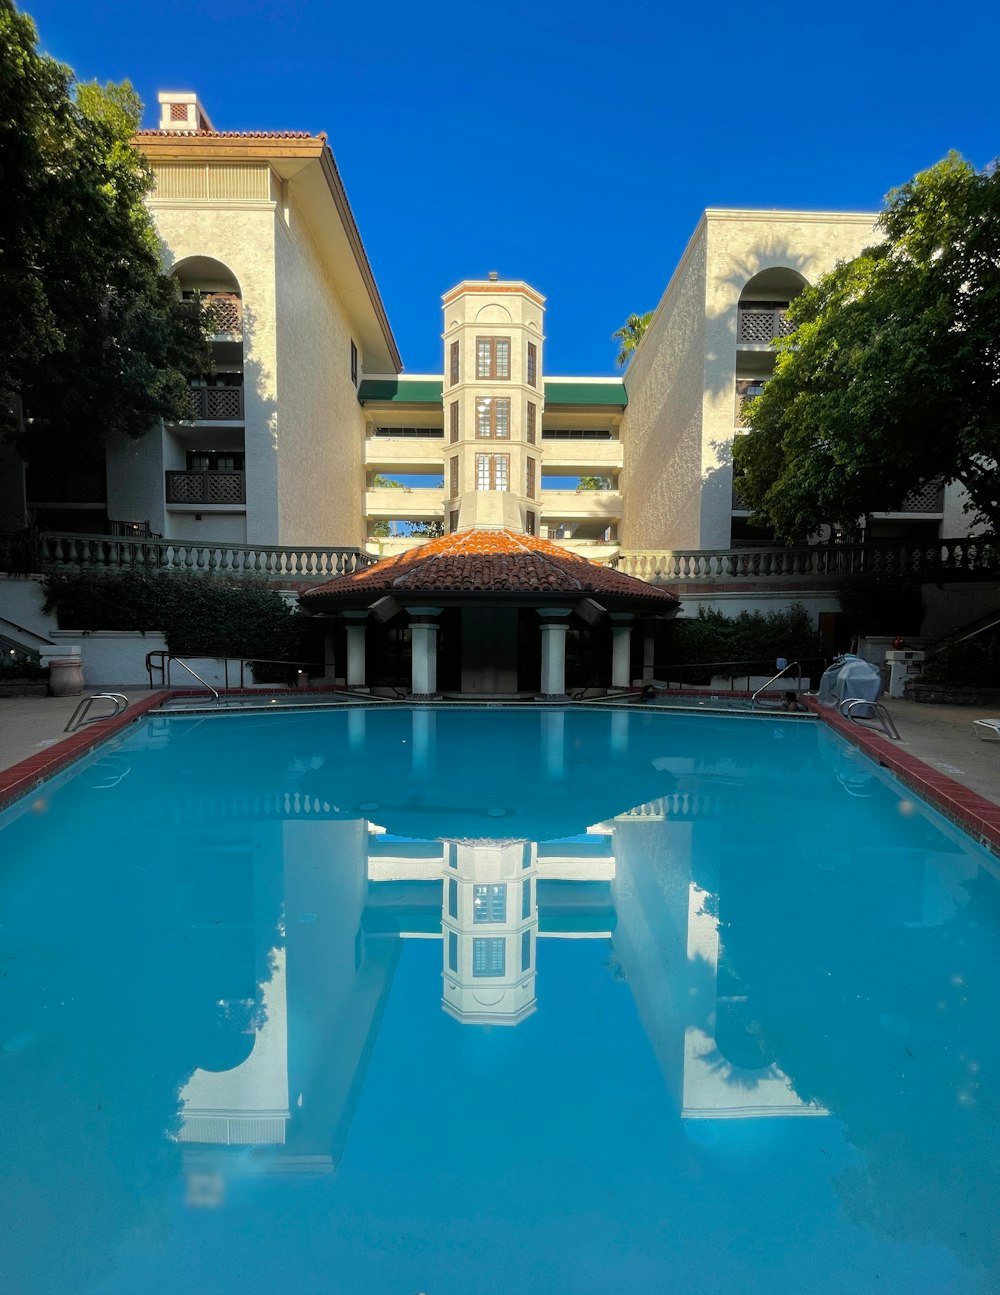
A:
940, 754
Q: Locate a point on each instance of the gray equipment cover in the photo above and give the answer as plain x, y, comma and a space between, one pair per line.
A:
851, 678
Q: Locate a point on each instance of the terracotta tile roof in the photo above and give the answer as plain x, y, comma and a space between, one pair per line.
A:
479, 561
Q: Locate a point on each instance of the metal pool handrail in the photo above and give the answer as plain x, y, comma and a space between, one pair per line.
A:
80, 717
164, 662
880, 713
792, 665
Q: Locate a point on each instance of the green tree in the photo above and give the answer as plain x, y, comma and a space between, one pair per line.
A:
96, 340
595, 483
629, 336
892, 375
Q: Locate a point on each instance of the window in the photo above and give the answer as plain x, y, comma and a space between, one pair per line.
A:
530, 426
493, 417
489, 903
525, 950
354, 364
493, 357
453, 521
452, 897
532, 364
452, 951
453, 475
453, 420
492, 471
529, 478
213, 461
526, 898
530, 524
454, 363
488, 957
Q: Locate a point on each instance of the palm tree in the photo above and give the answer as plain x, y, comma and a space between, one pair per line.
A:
630, 335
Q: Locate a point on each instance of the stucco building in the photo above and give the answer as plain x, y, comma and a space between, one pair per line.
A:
310, 433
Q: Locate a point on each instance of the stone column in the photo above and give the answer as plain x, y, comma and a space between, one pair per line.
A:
554, 626
648, 647
621, 649
356, 621
423, 646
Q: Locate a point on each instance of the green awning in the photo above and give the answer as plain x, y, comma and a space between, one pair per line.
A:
582, 392
401, 391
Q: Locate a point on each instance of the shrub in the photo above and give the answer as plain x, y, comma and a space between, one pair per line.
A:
756, 638
972, 664
199, 615
882, 604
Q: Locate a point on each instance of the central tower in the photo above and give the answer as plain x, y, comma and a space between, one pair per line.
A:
493, 400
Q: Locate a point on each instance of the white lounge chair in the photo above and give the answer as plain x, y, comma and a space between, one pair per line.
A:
987, 729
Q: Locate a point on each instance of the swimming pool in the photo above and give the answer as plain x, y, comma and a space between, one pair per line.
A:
490, 1000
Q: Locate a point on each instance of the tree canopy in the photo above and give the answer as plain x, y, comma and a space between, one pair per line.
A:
891, 377
629, 336
96, 340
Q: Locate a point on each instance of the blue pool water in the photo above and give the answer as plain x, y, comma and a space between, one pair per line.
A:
452, 1001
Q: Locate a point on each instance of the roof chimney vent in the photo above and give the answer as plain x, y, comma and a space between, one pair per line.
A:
493, 276
181, 112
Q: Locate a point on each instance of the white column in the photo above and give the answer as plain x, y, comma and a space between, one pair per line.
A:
355, 648
357, 727
621, 649
619, 731
554, 627
423, 648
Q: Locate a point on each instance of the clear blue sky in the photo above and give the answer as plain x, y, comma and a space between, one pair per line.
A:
572, 144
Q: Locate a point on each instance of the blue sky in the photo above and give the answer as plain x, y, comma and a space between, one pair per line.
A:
570, 144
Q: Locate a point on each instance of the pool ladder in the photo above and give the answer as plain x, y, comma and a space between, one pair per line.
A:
879, 713
785, 669
80, 716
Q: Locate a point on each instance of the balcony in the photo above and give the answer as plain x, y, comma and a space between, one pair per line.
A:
927, 499
760, 325
581, 505
587, 458
227, 312
403, 454
405, 503
223, 489
217, 404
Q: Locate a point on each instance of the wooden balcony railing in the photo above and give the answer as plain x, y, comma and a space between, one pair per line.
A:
762, 325
227, 313
206, 488
219, 404
305, 563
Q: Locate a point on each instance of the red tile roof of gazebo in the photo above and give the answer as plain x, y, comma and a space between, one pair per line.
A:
501, 561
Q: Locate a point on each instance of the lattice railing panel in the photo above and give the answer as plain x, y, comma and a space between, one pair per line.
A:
227, 311
762, 325
928, 498
206, 488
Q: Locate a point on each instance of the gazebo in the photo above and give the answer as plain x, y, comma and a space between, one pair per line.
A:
489, 613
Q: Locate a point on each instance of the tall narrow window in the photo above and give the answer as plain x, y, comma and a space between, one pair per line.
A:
453, 521
492, 471
493, 357
526, 898
530, 425
530, 524
532, 365
529, 478
454, 363
493, 417
452, 951
452, 897
453, 475
354, 364
488, 956
525, 950
489, 903
453, 421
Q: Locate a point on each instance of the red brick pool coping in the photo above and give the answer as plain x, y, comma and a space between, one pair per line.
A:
972, 812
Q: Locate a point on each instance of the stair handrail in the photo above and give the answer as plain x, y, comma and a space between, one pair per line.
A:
80, 716
879, 712
164, 665
792, 665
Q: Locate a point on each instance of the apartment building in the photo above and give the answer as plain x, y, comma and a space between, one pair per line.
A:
310, 433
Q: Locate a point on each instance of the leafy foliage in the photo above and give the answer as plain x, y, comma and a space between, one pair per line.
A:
753, 637
595, 483
198, 615
96, 340
891, 377
972, 664
877, 604
629, 336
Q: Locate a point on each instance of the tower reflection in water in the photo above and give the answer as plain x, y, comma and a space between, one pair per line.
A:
356, 889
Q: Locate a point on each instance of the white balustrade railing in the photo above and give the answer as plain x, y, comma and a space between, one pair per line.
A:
302, 563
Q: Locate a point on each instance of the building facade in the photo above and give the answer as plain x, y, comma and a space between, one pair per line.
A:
309, 432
